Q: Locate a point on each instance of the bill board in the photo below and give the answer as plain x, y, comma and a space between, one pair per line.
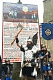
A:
21, 19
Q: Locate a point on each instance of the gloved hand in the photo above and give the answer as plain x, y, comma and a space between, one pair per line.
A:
17, 41
22, 49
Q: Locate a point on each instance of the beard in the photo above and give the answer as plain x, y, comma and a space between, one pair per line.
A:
29, 46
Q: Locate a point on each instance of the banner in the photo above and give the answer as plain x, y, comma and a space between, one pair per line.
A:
47, 31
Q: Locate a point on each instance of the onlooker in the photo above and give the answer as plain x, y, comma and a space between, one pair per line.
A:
46, 65
52, 65
8, 68
3, 74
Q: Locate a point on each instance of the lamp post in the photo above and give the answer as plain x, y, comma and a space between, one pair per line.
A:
16, 65
19, 2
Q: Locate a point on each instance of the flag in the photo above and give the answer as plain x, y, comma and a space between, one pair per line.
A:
47, 31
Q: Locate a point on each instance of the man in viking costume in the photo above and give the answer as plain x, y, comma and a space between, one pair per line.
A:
29, 64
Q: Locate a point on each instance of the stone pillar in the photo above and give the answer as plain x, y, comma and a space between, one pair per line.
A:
16, 71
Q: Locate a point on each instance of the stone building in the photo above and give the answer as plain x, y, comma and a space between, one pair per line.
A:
48, 17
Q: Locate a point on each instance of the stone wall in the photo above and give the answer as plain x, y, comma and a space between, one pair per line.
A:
48, 16
48, 10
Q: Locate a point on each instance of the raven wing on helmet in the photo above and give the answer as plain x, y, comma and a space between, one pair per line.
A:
34, 39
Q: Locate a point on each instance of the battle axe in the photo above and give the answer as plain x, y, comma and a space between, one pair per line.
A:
21, 27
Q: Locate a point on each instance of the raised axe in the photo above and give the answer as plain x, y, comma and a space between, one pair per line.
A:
21, 27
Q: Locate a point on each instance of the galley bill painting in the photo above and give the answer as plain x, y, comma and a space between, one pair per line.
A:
20, 12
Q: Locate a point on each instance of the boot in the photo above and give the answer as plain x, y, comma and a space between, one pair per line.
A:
50, 77
45, 77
